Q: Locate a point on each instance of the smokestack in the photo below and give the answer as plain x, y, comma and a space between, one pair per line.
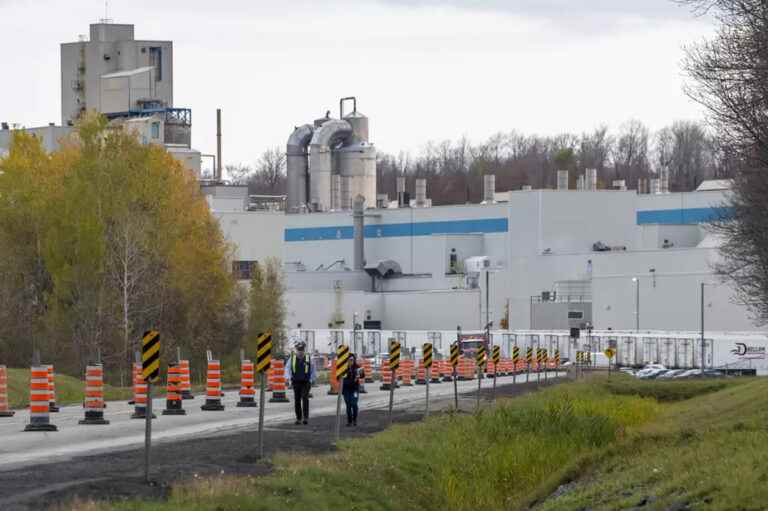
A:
217, 173
358, 221
421, 192
562, 179
382, 200
591, 180
489, 188
580, 182
401, 192
336, 192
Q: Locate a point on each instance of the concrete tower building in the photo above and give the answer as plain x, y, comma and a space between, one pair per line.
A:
114, 73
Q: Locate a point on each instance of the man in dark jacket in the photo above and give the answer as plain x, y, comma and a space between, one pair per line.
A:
301, 372
350, 389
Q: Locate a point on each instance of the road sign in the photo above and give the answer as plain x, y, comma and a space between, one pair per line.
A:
515, 355
427, 355
150, 356
263, 351
557, 358
496, 355
610, 352
455, 354
480, 356
342, 360
394, 356
578, 357
529, 355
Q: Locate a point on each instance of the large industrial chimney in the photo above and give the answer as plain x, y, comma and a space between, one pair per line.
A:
562, 179
400, 183
591, 180
489, 188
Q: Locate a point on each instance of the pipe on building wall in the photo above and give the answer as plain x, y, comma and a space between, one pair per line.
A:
358, 222
320, 161
217, 174
297, 166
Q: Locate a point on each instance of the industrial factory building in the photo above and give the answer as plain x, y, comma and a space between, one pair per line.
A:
523, 259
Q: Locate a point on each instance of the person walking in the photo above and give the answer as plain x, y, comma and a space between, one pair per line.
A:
350, 389
300, 371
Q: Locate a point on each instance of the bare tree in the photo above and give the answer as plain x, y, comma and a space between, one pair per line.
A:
630, 156
730, 79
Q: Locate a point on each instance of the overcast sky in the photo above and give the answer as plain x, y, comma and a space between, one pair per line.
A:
421, 69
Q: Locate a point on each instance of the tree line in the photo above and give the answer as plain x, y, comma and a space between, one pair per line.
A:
685, 151
104, 239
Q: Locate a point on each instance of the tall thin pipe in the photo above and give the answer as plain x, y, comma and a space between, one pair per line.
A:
218, 174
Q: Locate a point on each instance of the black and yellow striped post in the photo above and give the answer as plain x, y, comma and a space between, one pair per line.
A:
263, 363
538, 365
480, 358
515, 360
342, 366
426, 357
557, 361
394, 365
495, 358
150, 372
528, 363
454, 365
545, 361
579, 361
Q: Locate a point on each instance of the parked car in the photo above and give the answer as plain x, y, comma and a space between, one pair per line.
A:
670, 374
650, 368
652, 374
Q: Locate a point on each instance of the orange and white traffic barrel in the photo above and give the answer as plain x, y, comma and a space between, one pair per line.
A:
186, 380
446, 370
213, 391
94, 395
421, 374
51, 389
5, 411
39, 401
435, 372
367, 366
173, 392
247, 385
277, 375
405, 373
140, 391
386, 376
334, 390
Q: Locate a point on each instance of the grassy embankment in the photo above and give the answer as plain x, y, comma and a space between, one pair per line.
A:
605, 445
69, 390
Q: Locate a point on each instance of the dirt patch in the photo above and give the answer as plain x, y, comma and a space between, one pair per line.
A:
119, 475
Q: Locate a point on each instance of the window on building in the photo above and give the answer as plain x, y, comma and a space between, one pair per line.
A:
156, 61
575, 314
155, 130
242, 269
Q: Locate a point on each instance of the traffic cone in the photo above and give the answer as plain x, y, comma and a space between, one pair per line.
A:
247, 383
277, 375
186, 380
213, 387
334, 389
140, 390
4, 410
94, 395
173, 392
51, 389
39, 401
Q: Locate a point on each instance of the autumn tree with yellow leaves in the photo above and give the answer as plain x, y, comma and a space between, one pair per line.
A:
102, 240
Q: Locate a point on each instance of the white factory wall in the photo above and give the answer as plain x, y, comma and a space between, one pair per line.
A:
255, 236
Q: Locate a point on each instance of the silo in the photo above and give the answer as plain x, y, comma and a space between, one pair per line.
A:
580, 182
357, 162
297, 166
655, 186
359, 123
346, 192
320, 161
335, 192
400, 184
591, 180
562, 179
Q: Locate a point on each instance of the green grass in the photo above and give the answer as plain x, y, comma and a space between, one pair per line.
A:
69, 390
615, 441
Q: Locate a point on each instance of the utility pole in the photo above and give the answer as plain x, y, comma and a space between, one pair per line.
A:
637, 303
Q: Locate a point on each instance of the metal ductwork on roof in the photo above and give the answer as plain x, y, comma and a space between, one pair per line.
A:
384, 269
337, 147
297, 166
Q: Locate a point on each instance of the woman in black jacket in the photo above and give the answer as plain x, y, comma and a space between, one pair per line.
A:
350, 389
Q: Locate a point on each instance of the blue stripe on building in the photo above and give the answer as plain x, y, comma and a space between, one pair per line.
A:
345, 232
681, 216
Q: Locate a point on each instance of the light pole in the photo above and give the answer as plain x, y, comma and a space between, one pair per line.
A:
637, 303
703, 342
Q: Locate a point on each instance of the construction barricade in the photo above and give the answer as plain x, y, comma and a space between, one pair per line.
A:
277, 376
140, 391
51, 389
386, 378
490, 368
94, 396
368, 369
213, 391
185, 386
247, 385
173, 392
5, 411
435, 372
39, 401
